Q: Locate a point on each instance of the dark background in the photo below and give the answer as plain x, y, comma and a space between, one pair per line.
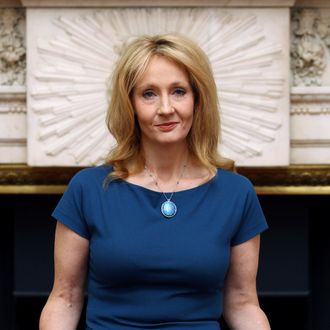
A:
294, 272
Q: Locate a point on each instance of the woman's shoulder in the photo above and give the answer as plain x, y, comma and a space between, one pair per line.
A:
89, 175
233, 179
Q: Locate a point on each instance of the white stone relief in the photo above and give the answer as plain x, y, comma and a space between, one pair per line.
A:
310, 109
310, 100
12, 124
12, 100
12, 133
310, 123
310, 94
12, 86
12, 106
12, 47
310, 46
72, 57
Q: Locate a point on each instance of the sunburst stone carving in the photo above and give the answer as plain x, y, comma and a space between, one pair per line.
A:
68, 97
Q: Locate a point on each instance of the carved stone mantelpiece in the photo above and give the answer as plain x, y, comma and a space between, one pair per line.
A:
251, 137
71, 58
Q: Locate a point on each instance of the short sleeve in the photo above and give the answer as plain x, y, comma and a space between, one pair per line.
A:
69, 210
253, 221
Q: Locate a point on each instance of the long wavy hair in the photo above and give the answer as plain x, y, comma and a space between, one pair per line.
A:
204, 136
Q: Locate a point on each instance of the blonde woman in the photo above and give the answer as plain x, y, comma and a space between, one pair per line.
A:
163, 236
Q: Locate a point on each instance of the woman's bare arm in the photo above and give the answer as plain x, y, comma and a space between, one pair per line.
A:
241, 306
65, 302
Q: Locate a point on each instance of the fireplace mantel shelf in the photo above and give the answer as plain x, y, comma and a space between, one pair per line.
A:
290, 180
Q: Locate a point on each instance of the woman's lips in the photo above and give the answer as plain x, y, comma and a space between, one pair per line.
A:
167, 126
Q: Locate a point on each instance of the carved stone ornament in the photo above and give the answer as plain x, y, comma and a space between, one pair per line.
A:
12, 99
12, 47
12, 106
310, 46
68, 95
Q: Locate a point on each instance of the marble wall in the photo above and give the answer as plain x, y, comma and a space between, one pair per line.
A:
272, 77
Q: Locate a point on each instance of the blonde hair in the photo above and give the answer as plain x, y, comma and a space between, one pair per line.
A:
204, 136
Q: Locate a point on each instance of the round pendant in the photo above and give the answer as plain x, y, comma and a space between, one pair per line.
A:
168, 209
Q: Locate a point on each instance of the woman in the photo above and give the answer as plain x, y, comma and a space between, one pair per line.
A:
164, 236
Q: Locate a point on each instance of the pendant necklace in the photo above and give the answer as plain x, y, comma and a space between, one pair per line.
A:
168, 208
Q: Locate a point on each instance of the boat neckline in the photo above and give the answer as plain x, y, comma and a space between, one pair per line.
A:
202, 185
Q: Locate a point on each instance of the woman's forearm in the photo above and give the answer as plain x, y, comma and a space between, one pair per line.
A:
247, 317
64, 305
60, 314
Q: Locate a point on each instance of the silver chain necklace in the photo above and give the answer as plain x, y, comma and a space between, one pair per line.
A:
168, 208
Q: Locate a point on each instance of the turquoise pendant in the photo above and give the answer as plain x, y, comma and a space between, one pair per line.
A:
168, 209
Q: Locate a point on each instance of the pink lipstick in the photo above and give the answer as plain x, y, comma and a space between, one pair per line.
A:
166, 127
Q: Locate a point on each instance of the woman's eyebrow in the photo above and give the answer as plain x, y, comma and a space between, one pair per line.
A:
155, 85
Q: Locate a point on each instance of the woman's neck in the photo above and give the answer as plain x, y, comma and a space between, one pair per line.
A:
166, 162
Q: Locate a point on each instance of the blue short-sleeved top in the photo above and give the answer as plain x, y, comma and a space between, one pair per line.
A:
150, 272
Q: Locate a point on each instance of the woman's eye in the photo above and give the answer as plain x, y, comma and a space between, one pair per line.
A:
179, 92
148, 94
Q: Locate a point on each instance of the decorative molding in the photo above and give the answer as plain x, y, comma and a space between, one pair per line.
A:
12, 99
25, 175
310, 93
312, 3
13, 124
68, 97
156, 3
310, 134
310, 109
10, 3
12, 47
12, 107
12, 102
310, 100
294, 175
12, 142
310, 46
310, 143
296, 179
13, 91
292, 190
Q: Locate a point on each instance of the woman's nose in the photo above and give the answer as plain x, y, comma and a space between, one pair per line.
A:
165, 106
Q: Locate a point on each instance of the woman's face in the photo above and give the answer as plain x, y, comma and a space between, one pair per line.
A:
163, 101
